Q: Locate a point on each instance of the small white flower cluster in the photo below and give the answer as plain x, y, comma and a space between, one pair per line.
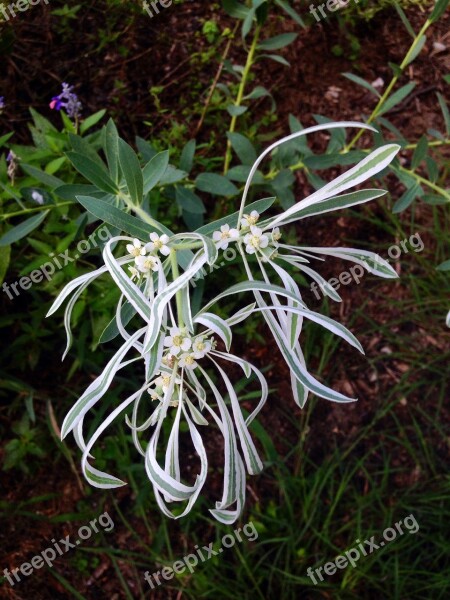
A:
145, 255
184, 349
254, 240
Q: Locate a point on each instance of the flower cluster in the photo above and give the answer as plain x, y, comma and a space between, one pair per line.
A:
145, 255
254, 238
183, 352
2, 104
68, 101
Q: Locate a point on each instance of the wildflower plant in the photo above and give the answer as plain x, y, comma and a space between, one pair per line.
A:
177, 349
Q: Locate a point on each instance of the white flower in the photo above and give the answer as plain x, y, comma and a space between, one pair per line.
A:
177, 341
134, 273
276, 235
250, 219
145, 264
136, 248
187, 361
200, 347
164, 381
37, 197
255, 240
158, 244
224, 236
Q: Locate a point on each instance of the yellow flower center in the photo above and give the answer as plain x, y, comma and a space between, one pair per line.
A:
177, 340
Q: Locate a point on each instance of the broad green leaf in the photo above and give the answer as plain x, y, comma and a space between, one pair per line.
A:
243, 148
215, 184
406, 200
92, 120
236, 111
439, 9
187, 156
277, 42
41, 176
154, 170
417, 50
23, 229
131, 169
188, 201
363, 83
93, 172
112, 149
419, 153
396, 98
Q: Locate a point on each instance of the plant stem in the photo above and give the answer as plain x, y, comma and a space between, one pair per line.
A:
176, 274
241, 91
390, 87
27, 211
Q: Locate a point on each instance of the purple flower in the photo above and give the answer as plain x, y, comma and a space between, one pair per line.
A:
68, 101
2, 104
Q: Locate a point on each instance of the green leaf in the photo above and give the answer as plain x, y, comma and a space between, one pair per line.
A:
291, 12
363, 83
406, 199
235, 9
236, 111
445, 112
188, 201
243, 148
419, 153
277, 42
279, 59
92, 172
405, 20
120, 219
215, 184
417, 50
92, 120
439, 8
396, 98
154, 170
111, 331
23, 229
187, 156
5, 253
445, 266
41, 176
131, 169
112, 149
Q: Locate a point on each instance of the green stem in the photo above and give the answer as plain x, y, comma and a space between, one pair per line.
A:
391, 86
176, 274
241, 91
27, 211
